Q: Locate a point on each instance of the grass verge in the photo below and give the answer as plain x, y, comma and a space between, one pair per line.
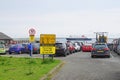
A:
12, 68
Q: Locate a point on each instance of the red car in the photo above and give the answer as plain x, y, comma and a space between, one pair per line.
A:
87, 47
71, 47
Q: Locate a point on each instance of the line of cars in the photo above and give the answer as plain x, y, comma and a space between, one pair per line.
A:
62, 48
19, 48
66, 48
116, 46
23, 48
97, 49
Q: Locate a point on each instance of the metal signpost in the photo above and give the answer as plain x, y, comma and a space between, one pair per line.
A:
32, 33
47, 44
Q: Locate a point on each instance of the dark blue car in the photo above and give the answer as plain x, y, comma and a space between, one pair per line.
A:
17, 48
100, 49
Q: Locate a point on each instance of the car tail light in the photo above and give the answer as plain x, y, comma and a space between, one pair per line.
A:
83, 46
106, 48
35, 49
93, 49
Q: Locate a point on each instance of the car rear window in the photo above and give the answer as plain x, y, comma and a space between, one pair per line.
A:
58, 44
36, 45
100, 46
88, 44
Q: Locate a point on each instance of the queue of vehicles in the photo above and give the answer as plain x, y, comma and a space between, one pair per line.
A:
62, 48
116, 46
99, 48
19, 48
66, 48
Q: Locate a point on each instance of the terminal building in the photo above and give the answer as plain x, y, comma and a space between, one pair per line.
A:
4, 39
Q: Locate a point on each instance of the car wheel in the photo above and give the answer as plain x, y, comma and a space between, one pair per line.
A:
92, 56
118, 51
108, 56
73, 51
65, 54
5, 53
10, 53
37, 52
19, 52
68, 52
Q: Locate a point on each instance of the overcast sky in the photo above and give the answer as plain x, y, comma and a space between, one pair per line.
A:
60, 17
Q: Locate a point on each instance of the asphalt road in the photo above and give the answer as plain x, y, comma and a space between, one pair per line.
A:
80, 66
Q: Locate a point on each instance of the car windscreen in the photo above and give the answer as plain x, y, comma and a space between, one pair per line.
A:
59, 45
36, 45
100, 46
25, 45
15, 46
12, 46
87, 44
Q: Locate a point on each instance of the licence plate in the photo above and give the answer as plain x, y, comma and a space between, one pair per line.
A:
57, 48
99, 51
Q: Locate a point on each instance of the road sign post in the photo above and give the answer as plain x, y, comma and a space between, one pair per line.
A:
32, 33
47, 44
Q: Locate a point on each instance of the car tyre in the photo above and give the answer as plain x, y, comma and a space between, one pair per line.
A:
92, 56
65, 54
118, 51
108, 56
10, 53
19, 52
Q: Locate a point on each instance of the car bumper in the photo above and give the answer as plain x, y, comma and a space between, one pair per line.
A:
100, 55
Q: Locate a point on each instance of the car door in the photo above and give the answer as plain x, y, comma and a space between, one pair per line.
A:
118, 49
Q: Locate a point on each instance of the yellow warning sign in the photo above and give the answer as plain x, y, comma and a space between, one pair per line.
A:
47, 39
47, 50
32, 38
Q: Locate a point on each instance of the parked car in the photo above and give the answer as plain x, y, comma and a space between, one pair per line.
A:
77, 46
16, 48
36, 48
118, 49
25, 45
2, 49
71, 47
115, 44
87, 47
110, 46
100, 49
61, 49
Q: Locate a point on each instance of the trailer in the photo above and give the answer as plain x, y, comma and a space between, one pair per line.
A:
101, 37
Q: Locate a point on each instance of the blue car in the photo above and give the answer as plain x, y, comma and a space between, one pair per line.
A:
17, 48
